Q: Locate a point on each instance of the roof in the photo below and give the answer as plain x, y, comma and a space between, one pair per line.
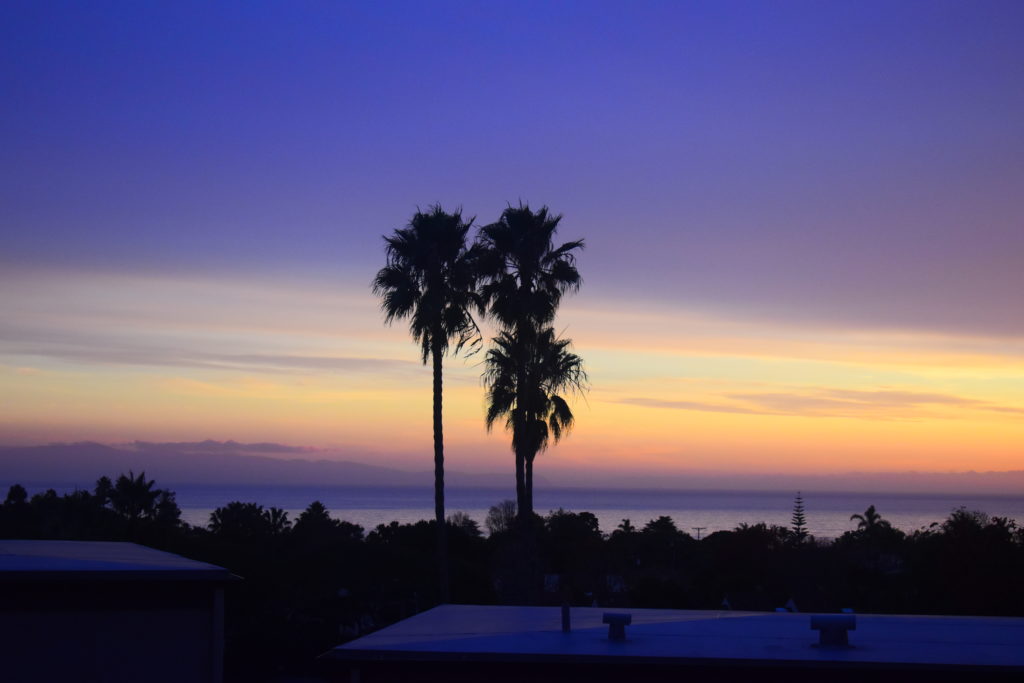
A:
98, 560
511, 634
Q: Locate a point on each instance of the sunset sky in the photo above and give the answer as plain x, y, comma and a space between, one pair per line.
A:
804, 224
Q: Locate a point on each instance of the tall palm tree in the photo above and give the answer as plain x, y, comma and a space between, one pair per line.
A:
430, 279
524, 276
529, 396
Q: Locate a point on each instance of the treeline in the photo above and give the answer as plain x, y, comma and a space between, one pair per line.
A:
314, 582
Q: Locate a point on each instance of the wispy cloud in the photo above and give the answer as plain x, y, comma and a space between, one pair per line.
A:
891, 397
879, 404
109, 351
1005, 409
690, 405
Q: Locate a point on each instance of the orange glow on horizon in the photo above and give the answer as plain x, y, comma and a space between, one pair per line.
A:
670, 390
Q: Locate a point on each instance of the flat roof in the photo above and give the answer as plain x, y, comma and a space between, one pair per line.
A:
98, 560
516, 634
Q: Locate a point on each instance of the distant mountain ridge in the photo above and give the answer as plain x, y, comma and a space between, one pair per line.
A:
208, 462
269, 464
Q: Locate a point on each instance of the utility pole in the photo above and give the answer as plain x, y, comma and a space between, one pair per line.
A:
698, 529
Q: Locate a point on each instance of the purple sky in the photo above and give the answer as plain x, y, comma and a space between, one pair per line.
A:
854, 163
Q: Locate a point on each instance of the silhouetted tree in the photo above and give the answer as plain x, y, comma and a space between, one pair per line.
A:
970, 564
278, 519
166, 511
660, 542
240, 520
524, 277
661, 525
316, 524
134, 496
799, 520
315, 516
622, 544
464, 523
536, 414
963, 522
870, 520
430, 278
574, 548
500, 517
16, 495
625, 527
16, 514
104, 490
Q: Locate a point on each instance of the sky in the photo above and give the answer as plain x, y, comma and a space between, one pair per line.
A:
804, 224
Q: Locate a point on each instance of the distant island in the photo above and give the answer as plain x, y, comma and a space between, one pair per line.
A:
242, 464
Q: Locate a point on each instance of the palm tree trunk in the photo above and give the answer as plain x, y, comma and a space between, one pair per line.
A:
442, 529
519, 429
529, 481
521, 502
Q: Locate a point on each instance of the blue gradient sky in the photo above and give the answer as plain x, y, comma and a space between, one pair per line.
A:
808, 180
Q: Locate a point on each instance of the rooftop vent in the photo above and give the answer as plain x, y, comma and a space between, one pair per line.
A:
833, 628
617, 624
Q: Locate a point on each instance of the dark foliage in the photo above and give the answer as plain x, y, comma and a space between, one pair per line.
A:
317, 582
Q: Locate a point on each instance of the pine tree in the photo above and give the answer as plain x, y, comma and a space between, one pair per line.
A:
799, 519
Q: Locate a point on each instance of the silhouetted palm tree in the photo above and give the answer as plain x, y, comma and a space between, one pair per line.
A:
278, 520
104, 490
625, 527
524, 276
166, 510
134, 496
238, 520
430, 279
870, 520
525, 382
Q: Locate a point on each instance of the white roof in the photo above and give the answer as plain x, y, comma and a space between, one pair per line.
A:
496, 633
27, 560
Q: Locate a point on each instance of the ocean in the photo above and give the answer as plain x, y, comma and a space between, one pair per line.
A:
827, 513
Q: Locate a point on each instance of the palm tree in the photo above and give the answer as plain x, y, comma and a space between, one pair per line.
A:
625, 527
524, 276
240, 521
529, 395
278, 520
430, 279
870, 520
134, 496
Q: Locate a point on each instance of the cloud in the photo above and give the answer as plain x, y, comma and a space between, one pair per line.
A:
877, 404
880, 404
691, 405
1006, 409
90, 349
889, 397
811, 405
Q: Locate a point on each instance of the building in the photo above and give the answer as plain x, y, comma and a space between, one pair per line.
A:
494, 644
105, 611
